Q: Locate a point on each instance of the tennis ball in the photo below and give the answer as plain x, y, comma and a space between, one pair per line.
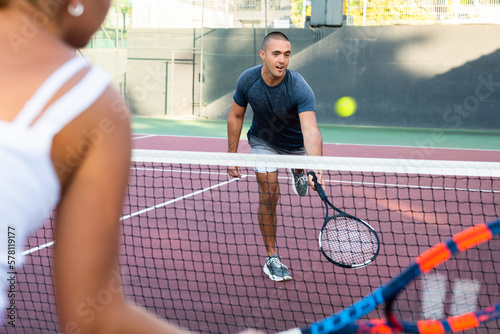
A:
345, 106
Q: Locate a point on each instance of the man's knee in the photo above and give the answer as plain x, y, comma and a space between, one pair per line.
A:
269, 198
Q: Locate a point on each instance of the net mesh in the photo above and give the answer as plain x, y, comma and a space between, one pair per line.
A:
193, 252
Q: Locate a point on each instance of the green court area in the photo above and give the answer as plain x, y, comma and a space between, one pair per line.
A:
367, 135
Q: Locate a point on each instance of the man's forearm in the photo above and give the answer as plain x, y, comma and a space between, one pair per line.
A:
313, 143
234, 126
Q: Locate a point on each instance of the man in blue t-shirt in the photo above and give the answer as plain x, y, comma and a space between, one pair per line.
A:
284, 122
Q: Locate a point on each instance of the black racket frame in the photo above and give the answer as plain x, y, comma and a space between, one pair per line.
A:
322, 195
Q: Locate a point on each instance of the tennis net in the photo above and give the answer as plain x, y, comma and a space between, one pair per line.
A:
193, 252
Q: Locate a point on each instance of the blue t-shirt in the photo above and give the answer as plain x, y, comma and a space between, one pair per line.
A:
276, 109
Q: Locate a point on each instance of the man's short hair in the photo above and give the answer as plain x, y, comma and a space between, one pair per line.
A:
274, 35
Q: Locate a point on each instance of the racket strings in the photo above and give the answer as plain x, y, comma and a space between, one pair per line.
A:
348, 241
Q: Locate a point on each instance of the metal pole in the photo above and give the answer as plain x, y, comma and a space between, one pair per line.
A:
364, 12
193, 79
265, 23
117, 24
124, 24
116, 43
166, 88
201, 57
172, 85
305, 3
226, 12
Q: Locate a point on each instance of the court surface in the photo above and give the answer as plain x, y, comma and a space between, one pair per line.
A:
182, 272
310, 294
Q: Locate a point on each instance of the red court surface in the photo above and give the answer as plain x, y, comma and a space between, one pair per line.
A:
199, 260
193, 253
205, 144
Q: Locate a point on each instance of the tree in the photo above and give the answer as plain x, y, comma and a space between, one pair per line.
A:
297, 14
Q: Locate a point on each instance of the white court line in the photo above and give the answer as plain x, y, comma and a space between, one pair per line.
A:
35, 249
144, 136
410, 186
179, 198
375, 184
337, 143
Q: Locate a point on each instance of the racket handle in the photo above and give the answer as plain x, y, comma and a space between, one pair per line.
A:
318, 186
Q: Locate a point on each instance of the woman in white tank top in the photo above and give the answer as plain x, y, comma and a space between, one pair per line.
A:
51, 102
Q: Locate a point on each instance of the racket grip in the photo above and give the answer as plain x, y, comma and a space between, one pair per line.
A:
318, 186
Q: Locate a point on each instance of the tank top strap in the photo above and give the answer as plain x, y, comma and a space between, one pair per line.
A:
42, 96
78, 99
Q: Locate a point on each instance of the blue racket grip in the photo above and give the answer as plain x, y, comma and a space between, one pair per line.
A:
338, 322
318, 186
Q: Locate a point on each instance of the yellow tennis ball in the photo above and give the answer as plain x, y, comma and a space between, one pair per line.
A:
345, 106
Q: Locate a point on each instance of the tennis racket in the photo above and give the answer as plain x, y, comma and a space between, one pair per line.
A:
473, 239
345, 240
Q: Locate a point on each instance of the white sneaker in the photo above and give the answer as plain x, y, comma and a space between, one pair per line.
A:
276, 270
299, 183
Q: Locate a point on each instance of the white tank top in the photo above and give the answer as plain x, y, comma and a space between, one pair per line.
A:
29, 185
